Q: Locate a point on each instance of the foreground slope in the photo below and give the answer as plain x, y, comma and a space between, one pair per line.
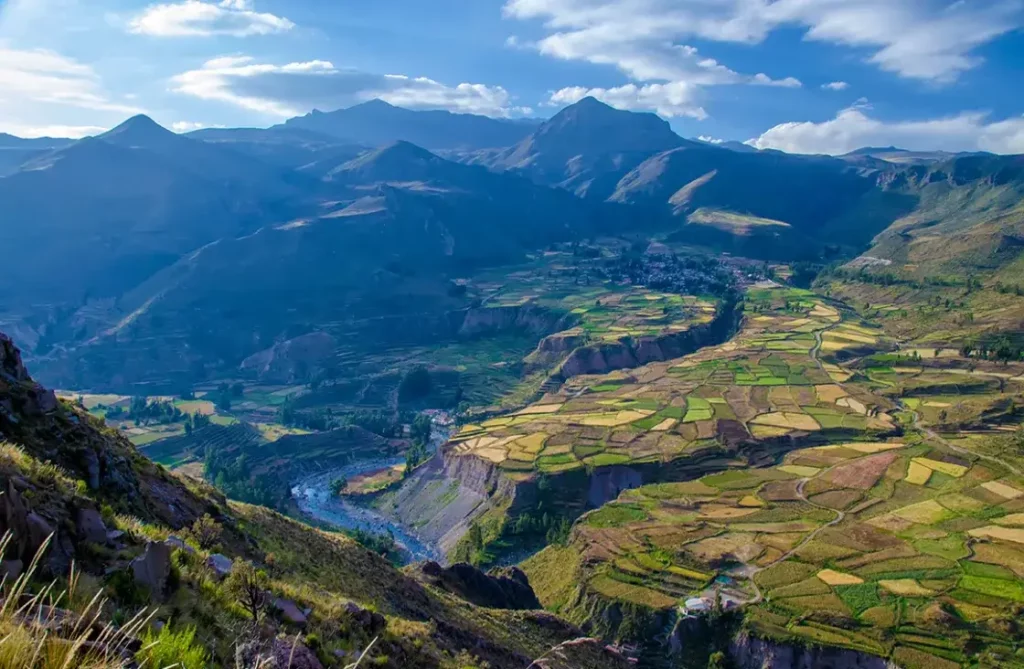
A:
122, 511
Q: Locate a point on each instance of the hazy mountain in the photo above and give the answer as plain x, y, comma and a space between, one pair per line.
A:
587, 147
404, 220
292, 148
15, 151
894, 155
377, 123
100, 215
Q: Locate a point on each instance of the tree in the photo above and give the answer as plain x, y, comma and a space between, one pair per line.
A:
338, 486
415, 384
248, 585
206, 532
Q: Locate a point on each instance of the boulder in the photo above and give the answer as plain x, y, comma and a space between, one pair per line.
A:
153, 567
220, 564
90, 526
39, 530
293, 654
11, 569
289, 610
371, 622
179, 543
506, 588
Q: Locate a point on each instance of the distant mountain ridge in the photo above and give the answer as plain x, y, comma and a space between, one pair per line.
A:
376, 123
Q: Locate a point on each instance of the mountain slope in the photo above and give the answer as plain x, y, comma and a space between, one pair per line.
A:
291, 148
104, 213
327, 589
587, 147
376, 123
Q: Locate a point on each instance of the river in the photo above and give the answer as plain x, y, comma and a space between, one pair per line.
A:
314, 498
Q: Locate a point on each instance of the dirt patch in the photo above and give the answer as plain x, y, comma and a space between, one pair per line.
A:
862, 473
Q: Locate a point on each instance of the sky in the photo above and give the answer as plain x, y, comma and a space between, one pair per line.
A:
806, 76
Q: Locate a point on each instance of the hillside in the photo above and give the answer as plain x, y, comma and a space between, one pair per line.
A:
586, 148
63, 471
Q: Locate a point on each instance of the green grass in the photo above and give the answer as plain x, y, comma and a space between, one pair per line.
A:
996, 587
859, 597
616, 515
607, 459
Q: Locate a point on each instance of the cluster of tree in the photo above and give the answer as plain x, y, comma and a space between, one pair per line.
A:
1001, 348
380, 543
415, 384
1007, 289
226, 394
232, 476
144, 412
195, 422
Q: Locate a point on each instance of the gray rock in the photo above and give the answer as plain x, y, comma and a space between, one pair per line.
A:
220, 564
92, 468
11, 569
179, 543
91, 526
38, 531
153, 567
289, 610
293, 654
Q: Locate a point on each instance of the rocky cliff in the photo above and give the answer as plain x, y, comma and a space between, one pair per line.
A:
749, 652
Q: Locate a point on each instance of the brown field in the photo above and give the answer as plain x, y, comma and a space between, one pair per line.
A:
862, 473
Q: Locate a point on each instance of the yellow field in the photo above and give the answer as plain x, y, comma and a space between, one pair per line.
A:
665, 425
918, 474
539, 409
851, 336
956, 471
838, 578
995, 532
750, 501
799, 470
907, 587
1012, 519
203, 407
793, 421
1001, 489
924, 513
532, 443
613, 419
766, 431
830, 393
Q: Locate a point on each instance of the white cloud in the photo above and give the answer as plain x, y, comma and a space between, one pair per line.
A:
669, 100
853, 128
48, 94
33, 131
923, 39
194, 18
42, 76
711, 140
295, 88
835, 86
189, 126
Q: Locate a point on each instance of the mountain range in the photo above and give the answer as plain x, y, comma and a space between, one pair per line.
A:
228, 239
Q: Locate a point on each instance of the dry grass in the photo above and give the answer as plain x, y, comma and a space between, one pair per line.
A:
838, 578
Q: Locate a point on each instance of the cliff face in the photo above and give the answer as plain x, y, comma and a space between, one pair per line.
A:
629, 352
752, 653
527, 318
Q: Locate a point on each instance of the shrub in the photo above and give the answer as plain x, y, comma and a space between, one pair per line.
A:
167, 648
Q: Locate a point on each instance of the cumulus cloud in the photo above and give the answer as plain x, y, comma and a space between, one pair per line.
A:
924, 39
295, 88
30, 131
195, 18
189, 126
670, 100
42, 76
854, 128
835, 86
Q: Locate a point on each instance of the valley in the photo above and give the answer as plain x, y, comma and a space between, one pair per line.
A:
694, 401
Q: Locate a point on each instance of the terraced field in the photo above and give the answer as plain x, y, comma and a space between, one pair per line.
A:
766, 383
903, 543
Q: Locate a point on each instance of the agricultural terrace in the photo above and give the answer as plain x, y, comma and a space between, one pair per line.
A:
905, 550
766, 383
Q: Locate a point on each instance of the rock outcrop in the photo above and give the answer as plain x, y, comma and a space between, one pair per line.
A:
153, 568
583, 654
749, 652
504, 588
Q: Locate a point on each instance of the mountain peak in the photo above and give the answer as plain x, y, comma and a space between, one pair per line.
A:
138, 129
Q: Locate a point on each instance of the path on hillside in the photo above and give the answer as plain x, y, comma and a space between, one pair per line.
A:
932, 434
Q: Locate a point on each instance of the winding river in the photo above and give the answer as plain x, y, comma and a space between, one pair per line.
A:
314, 498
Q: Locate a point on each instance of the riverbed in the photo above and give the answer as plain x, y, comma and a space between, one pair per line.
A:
314, 498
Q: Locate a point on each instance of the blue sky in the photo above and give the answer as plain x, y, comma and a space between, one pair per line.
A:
800, 75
